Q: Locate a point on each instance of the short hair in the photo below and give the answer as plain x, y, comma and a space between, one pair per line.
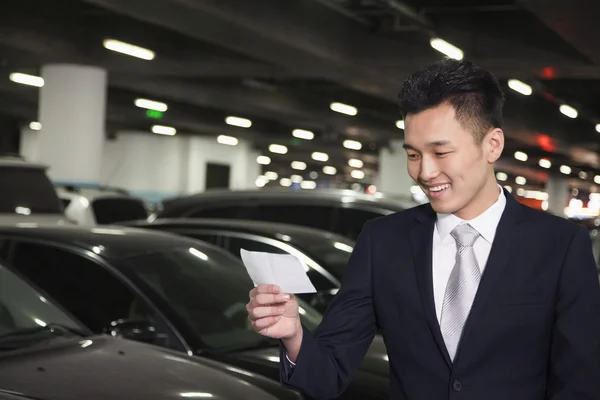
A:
474, 93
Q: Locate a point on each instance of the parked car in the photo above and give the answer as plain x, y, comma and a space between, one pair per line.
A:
324, 254
339, 211
91, 206
166, 289
46, 354
27, 193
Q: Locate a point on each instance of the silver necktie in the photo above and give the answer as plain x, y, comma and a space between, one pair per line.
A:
462, 287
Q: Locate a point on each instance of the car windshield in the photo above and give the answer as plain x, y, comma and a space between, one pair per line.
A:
27, 191
207, 289
24, 310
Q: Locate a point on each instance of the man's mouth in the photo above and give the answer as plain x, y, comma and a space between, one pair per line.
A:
438, 188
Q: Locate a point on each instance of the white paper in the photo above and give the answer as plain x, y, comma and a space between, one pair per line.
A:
283, 270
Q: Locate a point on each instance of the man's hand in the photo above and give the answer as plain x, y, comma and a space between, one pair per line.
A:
272, 313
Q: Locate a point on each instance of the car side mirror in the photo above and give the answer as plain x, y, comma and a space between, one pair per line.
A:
138, 330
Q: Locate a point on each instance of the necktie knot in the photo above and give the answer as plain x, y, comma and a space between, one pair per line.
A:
464, 235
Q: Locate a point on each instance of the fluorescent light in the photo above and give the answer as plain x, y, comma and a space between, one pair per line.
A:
308, 185
285, 182
520, 192
35, 126
583, 175
519, 155
261, 181
263, 160
519, 180
343, 108
151, 105
597, 179
164, 130
565, 169
508, 188
278, 148
446, 48
299, 165
355, 163
352, 145
26, 79
329, 170
568, 111
501, 176
357, 174
545, 163
598, 128
400, 124
318, 156
520, 87
271, 175
303, 134
228, 140
128, 49
237, 121
296, 178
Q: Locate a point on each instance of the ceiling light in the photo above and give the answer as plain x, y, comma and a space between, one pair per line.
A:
329, 170
296, 178
313, 175
565, 169
227, 140
519, 180
501, 176
583, 175
446, 48
355, 163
598, 128
239, 122
151, 105
278, 148
299, 165
128, 49
317, 156
568, 111
520, 192
308, 185
303, 134
343, 108
285, 182
508, 188
352, 145
26, 79
597, 179
261, 181
263, 160
520, 87
271, 175
164, 130
35, 126
400, 124
357, 174
519, 155
545, 163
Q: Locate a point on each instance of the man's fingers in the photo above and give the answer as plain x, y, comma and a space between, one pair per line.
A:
262, 312
267, 322
264, 289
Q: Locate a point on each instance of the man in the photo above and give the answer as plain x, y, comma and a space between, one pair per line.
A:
477, 296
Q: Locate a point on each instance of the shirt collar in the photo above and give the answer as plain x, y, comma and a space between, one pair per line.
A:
485, 223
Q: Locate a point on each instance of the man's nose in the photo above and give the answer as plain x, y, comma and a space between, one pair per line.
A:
429, 169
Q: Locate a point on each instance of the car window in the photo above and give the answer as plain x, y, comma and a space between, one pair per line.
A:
350, 221
27, 191
118, 209
314, 216
235, 244
85, 288
233, 211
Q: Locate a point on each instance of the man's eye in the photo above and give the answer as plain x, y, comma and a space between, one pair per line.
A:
442, 154
412, 155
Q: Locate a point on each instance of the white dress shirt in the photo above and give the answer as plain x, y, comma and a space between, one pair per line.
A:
444, 245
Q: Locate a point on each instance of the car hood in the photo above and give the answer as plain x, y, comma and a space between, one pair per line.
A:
102, 367
370, 381
35, 219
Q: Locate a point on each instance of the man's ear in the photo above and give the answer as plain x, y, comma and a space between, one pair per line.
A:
495, 144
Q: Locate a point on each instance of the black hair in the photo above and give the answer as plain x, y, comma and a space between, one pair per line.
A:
474, 93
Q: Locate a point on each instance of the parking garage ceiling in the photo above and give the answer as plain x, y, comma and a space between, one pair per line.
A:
281, 63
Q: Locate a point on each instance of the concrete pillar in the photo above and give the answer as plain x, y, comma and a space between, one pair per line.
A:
557, 188
393, 173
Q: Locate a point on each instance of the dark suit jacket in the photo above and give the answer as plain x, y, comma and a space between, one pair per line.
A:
533, 332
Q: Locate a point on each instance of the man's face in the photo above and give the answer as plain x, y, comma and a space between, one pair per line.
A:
445, 160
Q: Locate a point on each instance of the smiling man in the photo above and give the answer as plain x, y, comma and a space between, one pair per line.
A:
477, 296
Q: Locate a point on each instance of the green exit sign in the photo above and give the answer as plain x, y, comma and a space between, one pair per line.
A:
154, 114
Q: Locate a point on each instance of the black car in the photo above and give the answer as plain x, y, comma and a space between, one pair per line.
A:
324, 254
339, 211
166, 289
46, 354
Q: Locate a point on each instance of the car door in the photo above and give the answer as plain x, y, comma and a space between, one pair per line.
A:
87, 288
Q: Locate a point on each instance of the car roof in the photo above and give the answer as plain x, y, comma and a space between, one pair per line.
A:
116, 241
299, 235
16, 162
390, 202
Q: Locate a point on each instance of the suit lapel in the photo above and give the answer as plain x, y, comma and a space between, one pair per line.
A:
505, 242
421, 237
